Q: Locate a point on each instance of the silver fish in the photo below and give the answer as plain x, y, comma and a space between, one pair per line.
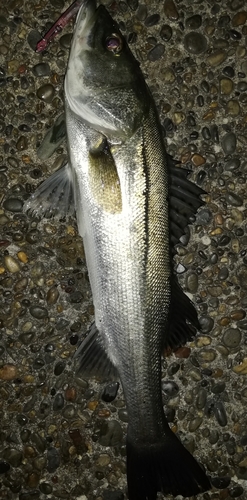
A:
131, 202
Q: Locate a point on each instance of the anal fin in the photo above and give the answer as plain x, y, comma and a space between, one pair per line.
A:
182, 321
93, 358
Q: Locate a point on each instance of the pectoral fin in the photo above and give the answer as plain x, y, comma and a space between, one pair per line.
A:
103, 177
54, 197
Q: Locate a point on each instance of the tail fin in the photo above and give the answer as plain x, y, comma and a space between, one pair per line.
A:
165, 467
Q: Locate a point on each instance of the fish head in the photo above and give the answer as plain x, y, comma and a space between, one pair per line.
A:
104, 85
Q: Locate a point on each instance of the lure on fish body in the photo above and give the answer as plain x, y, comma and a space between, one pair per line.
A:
132, 204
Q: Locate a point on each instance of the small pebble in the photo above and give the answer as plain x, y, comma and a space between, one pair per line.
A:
220, 482
232, 337
123, 415
8, 372
38, 312
232, 164
53, 459
207, 324
234, 199
22, 256
220, 413
195, 374
152, 20
192, 282
213, 437
46, 92
40, 463
110, 392
41, 69
13, 205
65, 40
219, 387
33, 38
212, 464
12, 264
236, 491
103, 460
201, 398
237, 315
241, 368
52, 295
22, 420
206, 355
70, 394
216, 58
194, 22
195, 43
195, 424
198, 160
78, 440
59, 368
4, 467
69, 412
62, 323
239, 18
156, 53
226, 86
233, 107
13, 66
179, 118
22, 143
39, 442
222, 242
229, 143
33, 236
183, 352
170, 10
166, 32
45, 488
133, 4
170, 389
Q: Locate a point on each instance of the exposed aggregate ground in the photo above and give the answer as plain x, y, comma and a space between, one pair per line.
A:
62, 437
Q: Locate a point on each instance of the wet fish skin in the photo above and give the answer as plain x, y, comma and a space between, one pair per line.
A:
121, 180
127, 250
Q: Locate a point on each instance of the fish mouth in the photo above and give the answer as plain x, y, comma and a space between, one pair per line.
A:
85, 18
78, 94
89, 93
73, 83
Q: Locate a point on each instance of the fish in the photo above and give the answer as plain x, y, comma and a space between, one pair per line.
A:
133, 203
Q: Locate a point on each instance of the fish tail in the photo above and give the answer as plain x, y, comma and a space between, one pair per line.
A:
165, 467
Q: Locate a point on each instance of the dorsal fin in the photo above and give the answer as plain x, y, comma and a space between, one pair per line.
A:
184, 200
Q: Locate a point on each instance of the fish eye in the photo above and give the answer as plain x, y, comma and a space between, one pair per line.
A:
114, 43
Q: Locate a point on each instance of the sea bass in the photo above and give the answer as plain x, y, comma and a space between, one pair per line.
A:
132, 204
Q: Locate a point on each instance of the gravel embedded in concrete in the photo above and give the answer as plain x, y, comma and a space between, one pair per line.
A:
63, 436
